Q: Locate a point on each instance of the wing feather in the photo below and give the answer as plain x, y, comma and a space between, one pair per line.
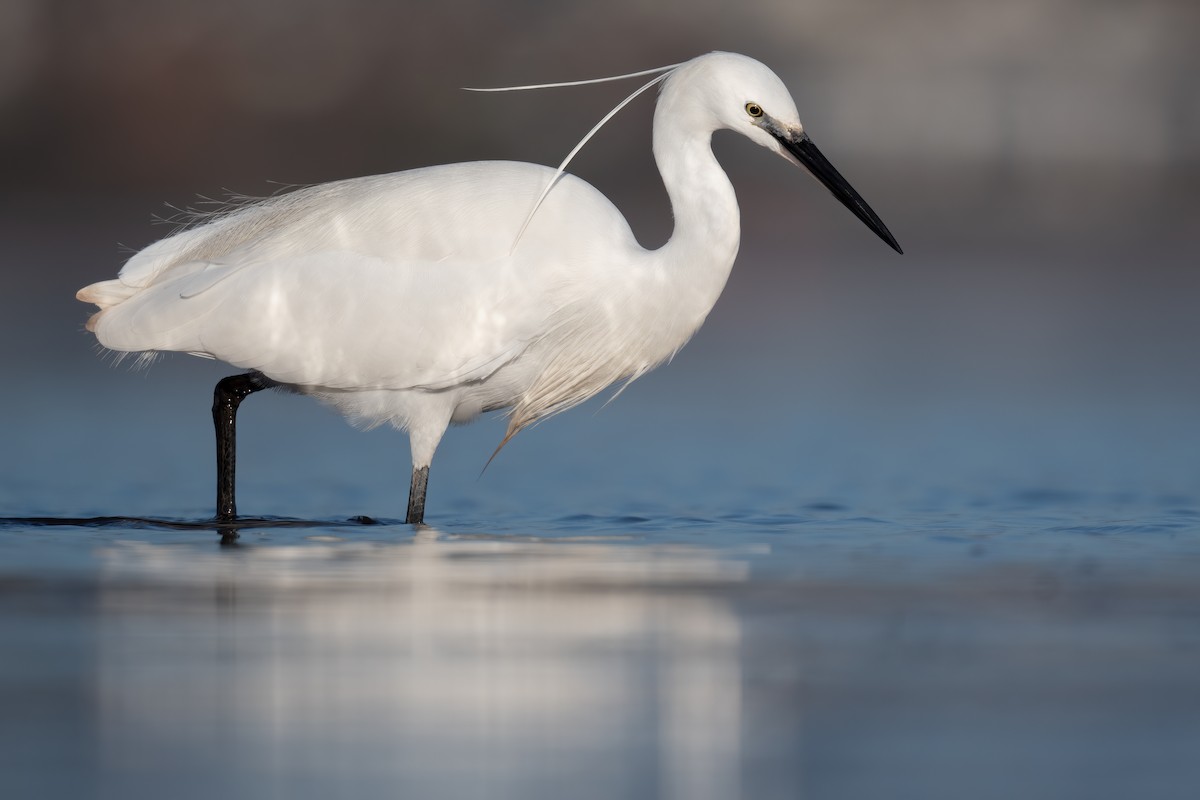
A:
397, 281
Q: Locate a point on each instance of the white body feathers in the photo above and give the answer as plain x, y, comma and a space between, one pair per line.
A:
402, 299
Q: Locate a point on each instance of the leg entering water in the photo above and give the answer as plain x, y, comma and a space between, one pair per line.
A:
227, 396
416, 496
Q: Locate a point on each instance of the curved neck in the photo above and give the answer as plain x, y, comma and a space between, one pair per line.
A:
707, 220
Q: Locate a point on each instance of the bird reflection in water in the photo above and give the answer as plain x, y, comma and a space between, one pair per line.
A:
442, 658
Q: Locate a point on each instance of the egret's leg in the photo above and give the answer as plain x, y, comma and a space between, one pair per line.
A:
228, 395
429, 416
416, 496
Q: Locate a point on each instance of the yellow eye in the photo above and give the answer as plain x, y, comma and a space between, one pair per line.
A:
754, 109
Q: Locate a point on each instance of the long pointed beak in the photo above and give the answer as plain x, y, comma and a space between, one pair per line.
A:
811, 159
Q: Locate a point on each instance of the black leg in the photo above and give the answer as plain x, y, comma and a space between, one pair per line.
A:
228, 395
416, 496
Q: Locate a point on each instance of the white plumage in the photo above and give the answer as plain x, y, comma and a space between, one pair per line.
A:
402, 299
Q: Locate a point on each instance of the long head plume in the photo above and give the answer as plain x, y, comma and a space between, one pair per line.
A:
660, 74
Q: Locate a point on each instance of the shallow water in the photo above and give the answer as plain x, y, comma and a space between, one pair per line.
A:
649, 600
1046, 645
863, 538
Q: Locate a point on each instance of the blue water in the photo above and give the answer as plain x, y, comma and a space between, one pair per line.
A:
1027, 650
917, 534
654, 599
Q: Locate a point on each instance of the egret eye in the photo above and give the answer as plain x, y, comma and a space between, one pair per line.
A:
754, 110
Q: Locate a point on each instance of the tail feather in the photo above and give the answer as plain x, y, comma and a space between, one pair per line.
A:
105, 294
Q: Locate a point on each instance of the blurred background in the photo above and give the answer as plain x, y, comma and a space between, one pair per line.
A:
905, 526
1039, 162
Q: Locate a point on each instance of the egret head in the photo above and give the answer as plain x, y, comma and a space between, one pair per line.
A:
740, 94
724, 91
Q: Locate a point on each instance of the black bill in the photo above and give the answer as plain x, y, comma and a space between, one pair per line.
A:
807, 154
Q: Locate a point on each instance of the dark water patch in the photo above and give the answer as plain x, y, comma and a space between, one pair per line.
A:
602, 521
866, 521
770, 520
229, 532
158, 523
825, 507
1115, 529
688, 522
764, 515
513, 538
581, 519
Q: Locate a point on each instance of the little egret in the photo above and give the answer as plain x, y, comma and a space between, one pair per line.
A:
427, 297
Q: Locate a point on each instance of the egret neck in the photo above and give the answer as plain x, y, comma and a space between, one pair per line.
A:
704, 244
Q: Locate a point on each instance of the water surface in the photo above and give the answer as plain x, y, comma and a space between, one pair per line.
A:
917, 533
1043, 646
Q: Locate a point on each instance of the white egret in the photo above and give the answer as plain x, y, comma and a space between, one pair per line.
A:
427, 297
